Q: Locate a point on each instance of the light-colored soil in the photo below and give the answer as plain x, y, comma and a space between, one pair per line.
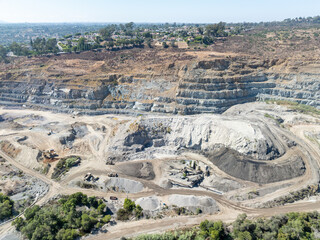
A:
94, 146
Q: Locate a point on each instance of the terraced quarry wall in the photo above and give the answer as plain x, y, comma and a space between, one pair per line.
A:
187, 85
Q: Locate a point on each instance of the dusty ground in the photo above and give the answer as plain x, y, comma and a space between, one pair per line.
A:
25, 134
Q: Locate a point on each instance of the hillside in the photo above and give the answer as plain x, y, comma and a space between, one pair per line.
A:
154, 80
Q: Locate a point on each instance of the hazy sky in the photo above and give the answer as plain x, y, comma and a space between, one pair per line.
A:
196, 11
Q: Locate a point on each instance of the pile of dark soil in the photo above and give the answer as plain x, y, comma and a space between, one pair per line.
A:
140, 170
242, 167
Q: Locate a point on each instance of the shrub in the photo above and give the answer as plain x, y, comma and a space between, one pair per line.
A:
129, 209
123, 215
64, 165
165, 45
180, 210
138, 211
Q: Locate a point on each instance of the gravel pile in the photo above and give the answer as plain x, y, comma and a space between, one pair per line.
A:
124, 185
149, 203
192, 203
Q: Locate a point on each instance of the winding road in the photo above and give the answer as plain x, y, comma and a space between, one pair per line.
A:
228, 209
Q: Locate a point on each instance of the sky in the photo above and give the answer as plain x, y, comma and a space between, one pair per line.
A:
180, 11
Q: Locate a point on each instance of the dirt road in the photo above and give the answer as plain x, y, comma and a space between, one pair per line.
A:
229, 210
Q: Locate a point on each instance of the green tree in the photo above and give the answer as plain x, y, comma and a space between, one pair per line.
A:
217, 231
19, 49
138, 42
3, 53
107, 32
67, 234
93, 202
165, 45
123, 214
87, 222
200, 30
101, 208
106, 219
129, 205
42, 232
19, 223
6, 207
129, 26
38, 45
173, 44
61, 219
244, 236
98, 39
149, 42
183, 34
51, 46
110, 44
147, 35
216, 30
138, 211
73, 219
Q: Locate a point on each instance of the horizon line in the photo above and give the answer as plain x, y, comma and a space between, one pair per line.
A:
92, 22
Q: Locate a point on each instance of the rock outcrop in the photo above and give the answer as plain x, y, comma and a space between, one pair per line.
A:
170, 135
201, 85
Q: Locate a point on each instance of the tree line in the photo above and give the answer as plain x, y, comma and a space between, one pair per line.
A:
37, 47
129, 36
291, 226
76, 215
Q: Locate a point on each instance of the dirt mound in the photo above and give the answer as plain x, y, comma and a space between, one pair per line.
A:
166, 184
149, 203
123, 185
222, 184
78, 130
240, 166
9, 149
192, 203
140, 170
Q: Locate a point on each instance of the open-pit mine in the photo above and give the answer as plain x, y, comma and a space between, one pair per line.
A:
186, 135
